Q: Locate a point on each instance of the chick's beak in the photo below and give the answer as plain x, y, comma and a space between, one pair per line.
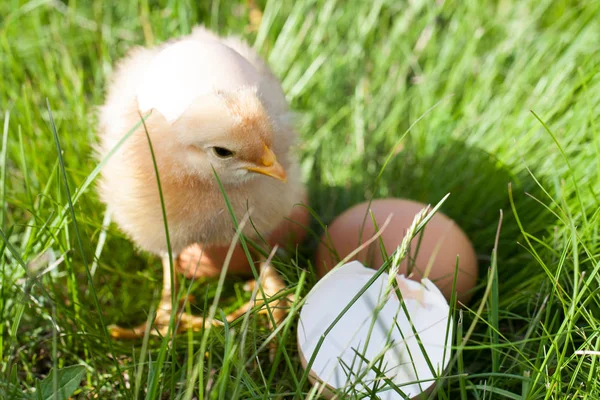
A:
268, 165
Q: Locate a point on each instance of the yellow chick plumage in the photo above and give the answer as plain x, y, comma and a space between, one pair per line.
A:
214, 106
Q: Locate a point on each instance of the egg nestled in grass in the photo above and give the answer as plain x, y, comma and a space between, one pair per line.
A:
436, 254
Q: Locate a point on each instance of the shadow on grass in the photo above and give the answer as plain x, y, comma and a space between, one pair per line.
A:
478, 187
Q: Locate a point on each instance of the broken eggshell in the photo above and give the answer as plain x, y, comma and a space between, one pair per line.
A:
389, 339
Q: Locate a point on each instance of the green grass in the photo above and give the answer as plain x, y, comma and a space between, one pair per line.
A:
501, 101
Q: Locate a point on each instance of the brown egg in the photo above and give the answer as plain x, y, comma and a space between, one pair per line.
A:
442, 241
201, 261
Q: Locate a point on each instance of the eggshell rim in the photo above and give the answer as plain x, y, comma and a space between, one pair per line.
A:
428, 287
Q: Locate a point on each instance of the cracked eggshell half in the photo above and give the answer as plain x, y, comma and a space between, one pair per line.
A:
389, 338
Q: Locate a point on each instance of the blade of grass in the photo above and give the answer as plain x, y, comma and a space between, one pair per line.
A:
3, 163
80, 243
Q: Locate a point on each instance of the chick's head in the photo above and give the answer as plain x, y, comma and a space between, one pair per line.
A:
230, 132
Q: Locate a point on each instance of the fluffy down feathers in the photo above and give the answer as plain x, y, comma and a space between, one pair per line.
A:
248, 119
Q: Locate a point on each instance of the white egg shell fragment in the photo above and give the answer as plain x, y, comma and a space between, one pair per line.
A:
357, 332
188, 69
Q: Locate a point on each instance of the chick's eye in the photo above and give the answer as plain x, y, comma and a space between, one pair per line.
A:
222, 152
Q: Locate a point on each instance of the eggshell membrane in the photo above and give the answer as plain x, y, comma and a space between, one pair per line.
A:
324, 303
206, 261
442, 241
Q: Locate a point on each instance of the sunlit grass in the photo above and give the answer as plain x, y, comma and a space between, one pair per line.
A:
460, 77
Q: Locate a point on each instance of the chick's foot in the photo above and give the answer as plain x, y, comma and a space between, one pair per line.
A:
274, 302
160, 326
272, 286
267, 299
198, 261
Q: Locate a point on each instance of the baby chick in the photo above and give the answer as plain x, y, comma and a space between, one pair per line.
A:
214, 108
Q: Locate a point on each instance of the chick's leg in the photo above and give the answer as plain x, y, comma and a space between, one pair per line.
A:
200, 261
164, 311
